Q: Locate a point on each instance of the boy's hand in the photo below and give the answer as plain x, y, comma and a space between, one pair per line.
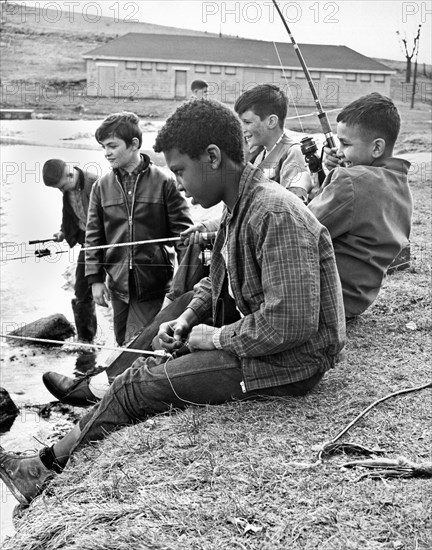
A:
194, 234
100, 294
332, 160
173, 333
59, 237
201, 338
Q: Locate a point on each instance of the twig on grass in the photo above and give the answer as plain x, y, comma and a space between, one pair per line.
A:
326, 447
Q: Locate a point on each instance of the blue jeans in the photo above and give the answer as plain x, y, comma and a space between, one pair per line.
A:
155, 385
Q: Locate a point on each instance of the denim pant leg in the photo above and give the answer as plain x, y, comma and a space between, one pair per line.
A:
155, 385
144, 340
141, 314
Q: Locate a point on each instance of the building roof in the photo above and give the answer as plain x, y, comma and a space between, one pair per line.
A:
232, 51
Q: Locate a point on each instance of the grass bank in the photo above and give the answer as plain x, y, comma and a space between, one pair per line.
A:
223, 477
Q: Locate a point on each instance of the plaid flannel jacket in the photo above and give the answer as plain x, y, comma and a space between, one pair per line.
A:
283, 275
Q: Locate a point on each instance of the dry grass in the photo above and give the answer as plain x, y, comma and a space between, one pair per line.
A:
222, 477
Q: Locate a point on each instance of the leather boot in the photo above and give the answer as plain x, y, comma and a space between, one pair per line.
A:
75, 392
25, 476
85, 320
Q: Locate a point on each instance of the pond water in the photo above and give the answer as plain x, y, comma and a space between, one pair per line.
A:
32, 288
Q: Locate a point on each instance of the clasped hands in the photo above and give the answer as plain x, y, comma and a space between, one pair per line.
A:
173, 334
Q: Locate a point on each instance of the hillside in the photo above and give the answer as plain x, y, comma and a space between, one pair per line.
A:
72, 22
33, 40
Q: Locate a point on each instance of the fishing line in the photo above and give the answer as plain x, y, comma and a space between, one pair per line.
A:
289, 88
172, 387
210, 236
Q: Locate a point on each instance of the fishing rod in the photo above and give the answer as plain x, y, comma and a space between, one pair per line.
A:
205, 236
40, 253
322, 115
308, 145
41, 241
157, 353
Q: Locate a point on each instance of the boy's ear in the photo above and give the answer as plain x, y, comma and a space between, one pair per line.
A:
378, 147
135, 143
272, 121
214, 156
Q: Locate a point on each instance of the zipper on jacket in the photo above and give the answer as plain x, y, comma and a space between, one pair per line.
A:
129, 213
131, 218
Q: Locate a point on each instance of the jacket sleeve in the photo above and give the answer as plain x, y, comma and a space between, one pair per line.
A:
289, 279
334, 206
178, 214
202, 300
95, 236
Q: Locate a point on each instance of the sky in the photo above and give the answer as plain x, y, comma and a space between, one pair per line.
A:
367, 26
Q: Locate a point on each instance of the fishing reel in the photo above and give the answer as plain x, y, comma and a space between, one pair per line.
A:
314, 161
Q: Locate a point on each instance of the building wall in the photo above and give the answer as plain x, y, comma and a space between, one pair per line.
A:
151, 80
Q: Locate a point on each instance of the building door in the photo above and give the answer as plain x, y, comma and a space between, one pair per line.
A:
107, 80
180, 84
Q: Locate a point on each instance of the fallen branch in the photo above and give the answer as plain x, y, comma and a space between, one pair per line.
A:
395, 468
326, 447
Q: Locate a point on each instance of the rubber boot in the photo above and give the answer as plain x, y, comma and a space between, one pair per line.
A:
85, 320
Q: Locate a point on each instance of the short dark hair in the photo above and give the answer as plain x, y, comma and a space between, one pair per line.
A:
375, 114
197, 124
264, 100
52, 171
124, 125
199, 85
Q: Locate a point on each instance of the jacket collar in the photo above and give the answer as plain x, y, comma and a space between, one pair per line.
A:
247, 178
143, 165
393, 163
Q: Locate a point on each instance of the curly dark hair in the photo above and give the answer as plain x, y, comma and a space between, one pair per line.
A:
376, 116
264, 100
197, 124
124, 125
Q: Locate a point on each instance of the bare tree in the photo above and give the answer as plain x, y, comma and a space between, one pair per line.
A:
409, 56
